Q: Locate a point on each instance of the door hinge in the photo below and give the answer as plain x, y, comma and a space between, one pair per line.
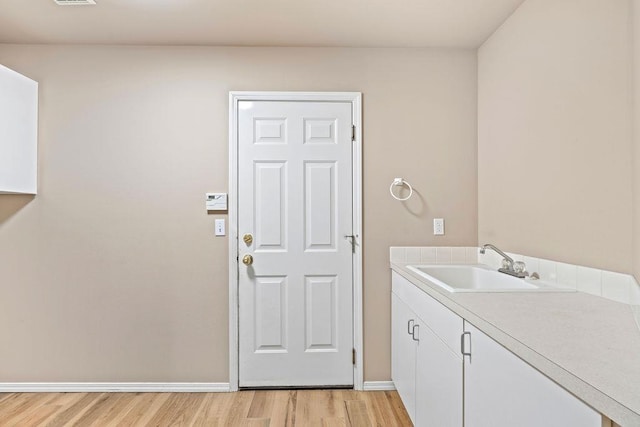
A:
353, 132
353, 358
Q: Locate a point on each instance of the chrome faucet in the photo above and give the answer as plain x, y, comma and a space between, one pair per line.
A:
509, 266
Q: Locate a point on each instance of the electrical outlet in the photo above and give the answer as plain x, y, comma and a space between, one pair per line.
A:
438, 226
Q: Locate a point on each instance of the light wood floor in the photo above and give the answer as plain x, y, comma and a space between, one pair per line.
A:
244, 408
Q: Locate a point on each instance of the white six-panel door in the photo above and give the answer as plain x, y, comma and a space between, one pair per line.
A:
295, 200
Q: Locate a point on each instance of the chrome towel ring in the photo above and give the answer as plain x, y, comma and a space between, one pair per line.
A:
400, 182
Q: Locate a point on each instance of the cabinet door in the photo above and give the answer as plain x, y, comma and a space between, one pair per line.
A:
438, 382
18, 133
501, 390
403, 354
443, 322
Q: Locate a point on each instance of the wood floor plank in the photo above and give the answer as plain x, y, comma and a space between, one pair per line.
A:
22, 407
28, 409
144, 410
313, 405
211, 409
357, 413
275, 408
211, 422
96, 410
398, 409
119, 404
334, 422
304, 409
12, 401
207, 422
239, 408
262, 404
75, 410
223, 403
115, 417
64, 399
171, 410
187, 411
283, 412
59, 401
15, 408
255, 422
380, 410
331, 403
38, 417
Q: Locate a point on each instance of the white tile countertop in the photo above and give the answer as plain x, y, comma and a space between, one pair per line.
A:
587, 344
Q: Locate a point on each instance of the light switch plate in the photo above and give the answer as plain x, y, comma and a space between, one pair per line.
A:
220, 231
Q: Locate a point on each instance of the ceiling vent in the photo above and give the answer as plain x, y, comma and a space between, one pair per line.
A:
74, 2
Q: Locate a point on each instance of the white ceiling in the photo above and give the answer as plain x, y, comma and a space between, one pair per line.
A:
361, 23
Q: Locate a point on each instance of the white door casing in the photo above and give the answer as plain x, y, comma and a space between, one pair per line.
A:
297, 186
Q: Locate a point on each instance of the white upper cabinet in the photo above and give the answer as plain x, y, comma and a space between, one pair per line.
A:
18, 133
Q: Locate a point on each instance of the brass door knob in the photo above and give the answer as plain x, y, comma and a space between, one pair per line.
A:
247, 260
248, 238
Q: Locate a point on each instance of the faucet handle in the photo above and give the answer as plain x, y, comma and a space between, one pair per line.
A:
507, 264
519, 267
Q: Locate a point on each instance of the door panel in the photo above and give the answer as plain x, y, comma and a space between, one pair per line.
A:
270, 215
319, 131
271, 315
321, 313
320, 213
295, 197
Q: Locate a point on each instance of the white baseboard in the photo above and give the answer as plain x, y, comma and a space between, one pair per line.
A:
113, 387
145, 387
378, 385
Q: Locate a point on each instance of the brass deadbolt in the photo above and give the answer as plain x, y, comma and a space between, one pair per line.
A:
248, 238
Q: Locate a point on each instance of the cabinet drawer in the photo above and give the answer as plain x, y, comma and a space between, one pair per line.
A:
447, 325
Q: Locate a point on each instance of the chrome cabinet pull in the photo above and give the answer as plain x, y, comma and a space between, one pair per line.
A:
413, 333
410, 326
462, 344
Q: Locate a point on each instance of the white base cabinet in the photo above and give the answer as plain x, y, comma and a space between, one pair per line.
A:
502, 390
426, 371
438, 382
403, 356
491, 387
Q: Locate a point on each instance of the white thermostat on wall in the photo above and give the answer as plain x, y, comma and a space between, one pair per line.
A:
216, 201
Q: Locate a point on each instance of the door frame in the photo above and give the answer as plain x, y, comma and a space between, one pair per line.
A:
355, 98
